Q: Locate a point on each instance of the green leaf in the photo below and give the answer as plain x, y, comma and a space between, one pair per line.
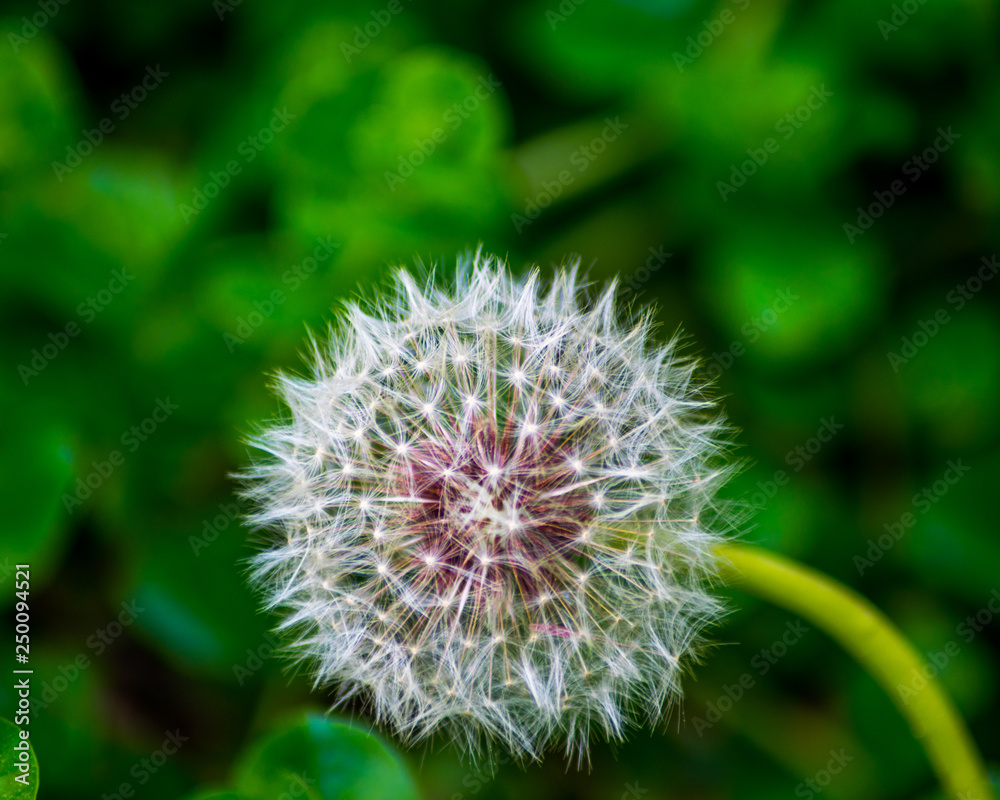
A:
792, 291
951, 378
37, 100
12, 764
328, 760
31, 495
406, 156
209, 629
125, 204
596, 49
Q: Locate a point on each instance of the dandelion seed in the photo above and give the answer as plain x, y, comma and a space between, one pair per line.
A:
527, 564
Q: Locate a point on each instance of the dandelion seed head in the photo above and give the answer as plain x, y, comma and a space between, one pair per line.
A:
492, 502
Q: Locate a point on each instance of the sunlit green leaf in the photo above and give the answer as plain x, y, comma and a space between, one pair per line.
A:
328, 761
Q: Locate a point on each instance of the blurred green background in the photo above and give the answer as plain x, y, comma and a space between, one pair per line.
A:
809, 189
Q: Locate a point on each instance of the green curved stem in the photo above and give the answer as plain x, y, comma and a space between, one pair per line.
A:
868, 635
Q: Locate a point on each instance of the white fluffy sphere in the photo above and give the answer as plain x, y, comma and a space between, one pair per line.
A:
491, 507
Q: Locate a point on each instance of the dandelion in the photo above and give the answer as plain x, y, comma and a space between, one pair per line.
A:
494, 507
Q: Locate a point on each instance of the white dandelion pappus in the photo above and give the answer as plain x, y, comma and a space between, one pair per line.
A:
492, 510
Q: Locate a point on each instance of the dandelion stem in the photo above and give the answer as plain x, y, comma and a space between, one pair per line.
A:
868, 635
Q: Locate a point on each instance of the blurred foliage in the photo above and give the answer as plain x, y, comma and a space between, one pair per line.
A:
186, 188
17, 764
327, 759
